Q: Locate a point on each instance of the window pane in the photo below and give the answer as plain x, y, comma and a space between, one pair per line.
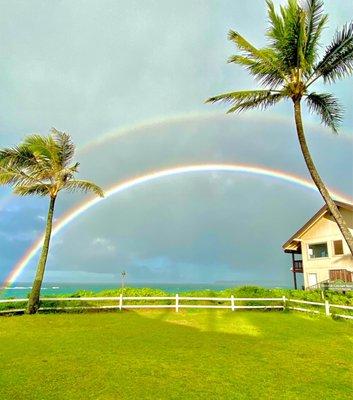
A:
318, 250
338, 246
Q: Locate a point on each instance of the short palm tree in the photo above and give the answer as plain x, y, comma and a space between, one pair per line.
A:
42, 166
288, 67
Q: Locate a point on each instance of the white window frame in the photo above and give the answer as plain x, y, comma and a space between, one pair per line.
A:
317, 258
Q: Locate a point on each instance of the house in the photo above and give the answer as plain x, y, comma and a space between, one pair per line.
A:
320, 252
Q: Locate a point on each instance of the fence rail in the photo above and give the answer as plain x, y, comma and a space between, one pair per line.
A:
179, 302
327, 307
315, 303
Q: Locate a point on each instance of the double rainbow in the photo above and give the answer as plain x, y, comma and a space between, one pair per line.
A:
119, 187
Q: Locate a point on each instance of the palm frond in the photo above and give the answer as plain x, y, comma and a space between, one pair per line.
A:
29, 190
38, 145
7, 177
315, 22
261, 103
16, 157
232, 97
277, 25
267, 73
65, 146
263, 64
16, 176
327, 107
301, 41
286, 33
20, 163
338, 59
245, 46
248, 99
44, 152
74, 185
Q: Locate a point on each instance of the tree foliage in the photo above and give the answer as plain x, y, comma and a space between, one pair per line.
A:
43, 166
290, 63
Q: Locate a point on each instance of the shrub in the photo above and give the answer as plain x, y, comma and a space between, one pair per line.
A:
238, 292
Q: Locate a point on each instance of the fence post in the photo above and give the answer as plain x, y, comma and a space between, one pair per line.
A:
327, 308
232, 302
284, 302
121, 302
177, 303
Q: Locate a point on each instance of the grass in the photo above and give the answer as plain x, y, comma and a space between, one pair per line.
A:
194, 354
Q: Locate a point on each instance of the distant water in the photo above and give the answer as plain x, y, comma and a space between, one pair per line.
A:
21, 290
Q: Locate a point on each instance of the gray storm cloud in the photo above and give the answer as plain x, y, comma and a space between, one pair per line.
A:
201, 226
90, 67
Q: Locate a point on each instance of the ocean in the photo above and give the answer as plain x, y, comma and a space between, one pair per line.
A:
21, 290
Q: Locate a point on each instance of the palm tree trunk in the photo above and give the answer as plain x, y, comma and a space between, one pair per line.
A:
317, 179
33, 302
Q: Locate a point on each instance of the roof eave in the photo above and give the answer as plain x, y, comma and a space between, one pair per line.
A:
305, 227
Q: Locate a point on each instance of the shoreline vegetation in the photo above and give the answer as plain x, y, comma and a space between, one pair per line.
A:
238, 292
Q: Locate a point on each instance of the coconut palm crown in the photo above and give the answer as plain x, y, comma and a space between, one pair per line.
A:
43, 166
287, 69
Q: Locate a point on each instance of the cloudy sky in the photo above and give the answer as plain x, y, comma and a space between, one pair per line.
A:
128, 80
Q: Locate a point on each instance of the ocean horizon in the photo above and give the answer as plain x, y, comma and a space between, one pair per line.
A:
22, 289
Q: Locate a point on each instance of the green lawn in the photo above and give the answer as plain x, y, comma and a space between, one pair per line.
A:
163, 355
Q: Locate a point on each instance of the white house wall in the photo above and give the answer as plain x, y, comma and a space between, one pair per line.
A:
326, 230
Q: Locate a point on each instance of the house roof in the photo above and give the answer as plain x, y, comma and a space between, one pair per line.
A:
294, 242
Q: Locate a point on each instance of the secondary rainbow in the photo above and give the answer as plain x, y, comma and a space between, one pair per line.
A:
170, 120
164, 121
119, 187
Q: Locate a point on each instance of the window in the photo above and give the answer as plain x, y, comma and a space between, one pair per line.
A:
318, 250
337, 247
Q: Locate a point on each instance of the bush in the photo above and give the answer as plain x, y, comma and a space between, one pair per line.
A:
238, 292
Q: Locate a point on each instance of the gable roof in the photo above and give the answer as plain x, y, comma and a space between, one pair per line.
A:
293, 243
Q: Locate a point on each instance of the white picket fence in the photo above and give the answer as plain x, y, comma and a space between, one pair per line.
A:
327, 308
179, 302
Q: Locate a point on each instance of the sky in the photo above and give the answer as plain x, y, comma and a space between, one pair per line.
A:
130, 79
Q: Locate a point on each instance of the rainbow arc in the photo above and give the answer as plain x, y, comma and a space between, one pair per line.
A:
119, 187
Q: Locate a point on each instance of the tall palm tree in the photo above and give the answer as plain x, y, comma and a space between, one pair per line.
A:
42, 166
288, 67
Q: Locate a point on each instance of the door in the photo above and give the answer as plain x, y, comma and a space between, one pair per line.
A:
312, 279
